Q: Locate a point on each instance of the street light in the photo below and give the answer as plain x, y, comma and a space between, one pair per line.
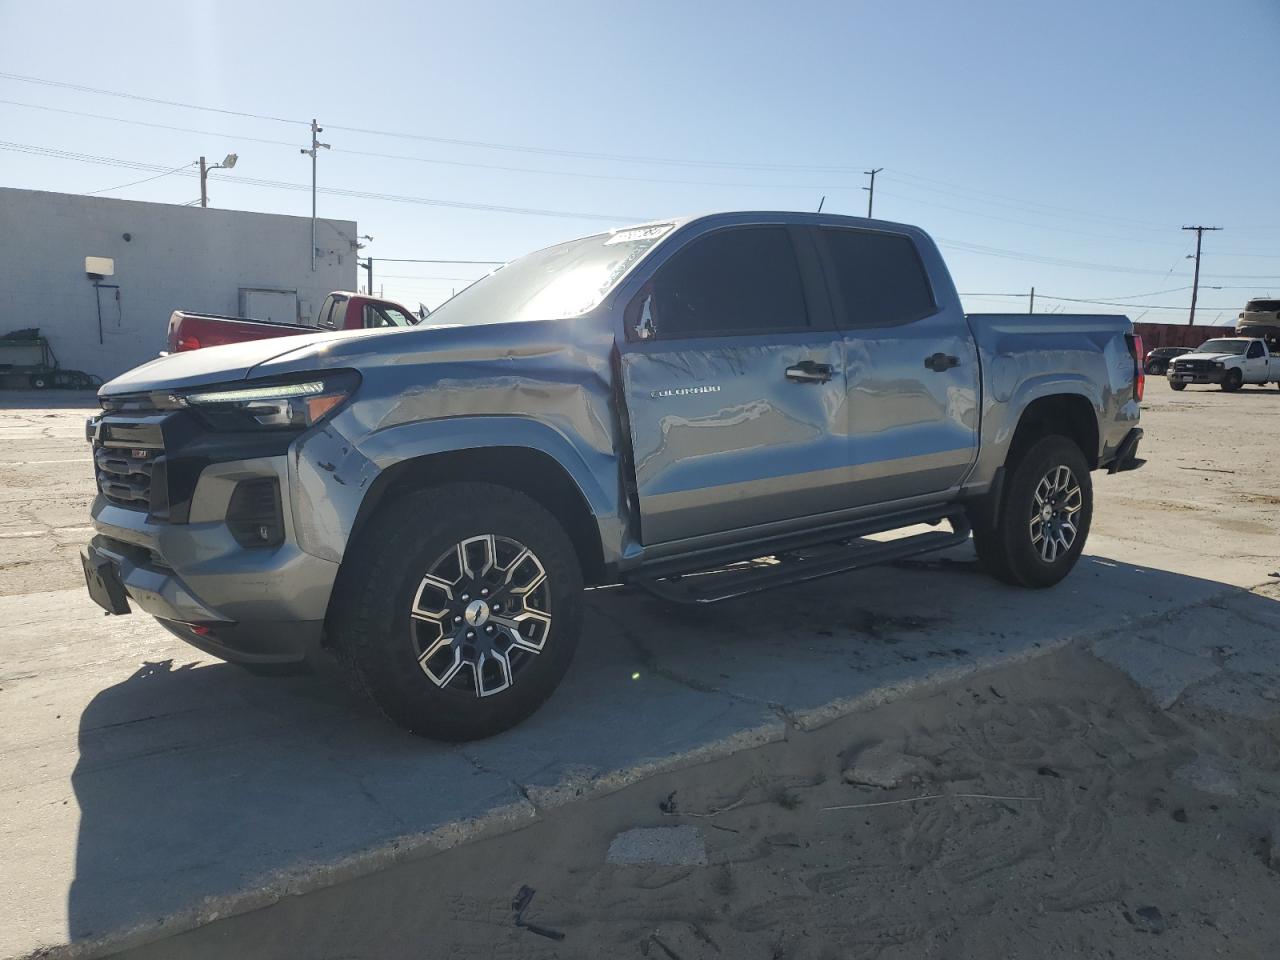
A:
227, 163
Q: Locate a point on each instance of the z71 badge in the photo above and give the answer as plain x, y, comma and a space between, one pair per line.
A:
684, 391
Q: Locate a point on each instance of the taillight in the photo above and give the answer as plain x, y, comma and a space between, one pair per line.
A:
188, 343
1139, 375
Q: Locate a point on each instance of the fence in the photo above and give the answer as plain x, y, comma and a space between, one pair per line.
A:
1178, 335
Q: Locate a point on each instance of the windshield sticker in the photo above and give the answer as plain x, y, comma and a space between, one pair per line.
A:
632, 234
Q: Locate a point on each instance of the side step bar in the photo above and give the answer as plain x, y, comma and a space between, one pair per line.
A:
799, 566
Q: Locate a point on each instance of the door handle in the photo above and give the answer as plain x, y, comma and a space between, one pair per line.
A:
941, 361
809, 371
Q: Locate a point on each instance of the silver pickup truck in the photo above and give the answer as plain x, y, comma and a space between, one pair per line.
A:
670, 399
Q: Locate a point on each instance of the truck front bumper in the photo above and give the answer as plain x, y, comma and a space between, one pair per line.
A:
1182, 376
260, 605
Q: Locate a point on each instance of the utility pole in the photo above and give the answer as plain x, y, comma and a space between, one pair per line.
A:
368, 265
316, 130
1032, 308
227, 163
871, 190
1195, 284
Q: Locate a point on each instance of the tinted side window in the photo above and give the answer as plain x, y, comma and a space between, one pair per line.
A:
740, 280
1255, 351
879, 276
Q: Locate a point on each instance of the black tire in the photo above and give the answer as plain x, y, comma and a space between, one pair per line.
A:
1177, 385
378, 643
1232, 380
1154, 369
1009, 551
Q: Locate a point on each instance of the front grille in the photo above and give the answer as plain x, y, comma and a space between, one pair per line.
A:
124, 475
126, 449
1193, 366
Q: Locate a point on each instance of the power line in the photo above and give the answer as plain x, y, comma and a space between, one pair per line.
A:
81, 88
984, 250
893, 173
452, 141
1028, 205
134, 183
1028, 223
467, 164
333, 191
1105, 303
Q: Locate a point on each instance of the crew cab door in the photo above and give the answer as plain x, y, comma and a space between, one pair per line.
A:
911, 366
733, 380
1256, 362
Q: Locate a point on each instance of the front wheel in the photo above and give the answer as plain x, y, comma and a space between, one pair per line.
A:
1232, 380
1044, 519
1177, 385
461, 610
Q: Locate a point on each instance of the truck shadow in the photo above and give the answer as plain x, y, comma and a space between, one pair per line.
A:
198, 784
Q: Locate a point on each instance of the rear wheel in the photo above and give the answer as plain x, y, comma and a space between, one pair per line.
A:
1232, 380
461, 610
1044, 518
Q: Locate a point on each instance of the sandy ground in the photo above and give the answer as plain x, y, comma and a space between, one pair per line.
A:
1098, 850
1145, 767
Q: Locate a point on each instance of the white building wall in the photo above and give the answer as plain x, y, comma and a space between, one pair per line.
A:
176, 257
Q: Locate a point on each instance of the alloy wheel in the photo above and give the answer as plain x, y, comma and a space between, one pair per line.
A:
481, 613
1055, 513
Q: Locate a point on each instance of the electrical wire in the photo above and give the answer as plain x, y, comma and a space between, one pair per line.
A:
331, 191
451, 141
1105, 303
82, 88
134, 183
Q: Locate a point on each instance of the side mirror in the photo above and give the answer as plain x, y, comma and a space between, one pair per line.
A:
639, 317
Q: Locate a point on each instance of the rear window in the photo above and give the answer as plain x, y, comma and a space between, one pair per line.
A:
1262, 306
333, 314
879, 277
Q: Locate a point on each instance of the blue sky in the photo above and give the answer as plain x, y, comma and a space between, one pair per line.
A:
1059, 145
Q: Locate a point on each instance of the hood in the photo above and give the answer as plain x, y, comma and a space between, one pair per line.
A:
1217, 357
234, 361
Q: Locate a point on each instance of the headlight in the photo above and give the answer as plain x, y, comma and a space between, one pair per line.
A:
1219, 366
293, 405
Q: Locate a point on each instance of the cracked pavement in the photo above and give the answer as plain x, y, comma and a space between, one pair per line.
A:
150, 789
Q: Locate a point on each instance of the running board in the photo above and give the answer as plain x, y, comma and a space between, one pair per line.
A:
799, 566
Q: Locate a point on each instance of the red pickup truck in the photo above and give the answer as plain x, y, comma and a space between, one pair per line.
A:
341, 310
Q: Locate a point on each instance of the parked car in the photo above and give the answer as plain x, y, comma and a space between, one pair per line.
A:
1157, 360
340, 311
1261, 318
631, 407
1228, 361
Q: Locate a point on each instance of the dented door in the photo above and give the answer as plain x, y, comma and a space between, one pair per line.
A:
735, 389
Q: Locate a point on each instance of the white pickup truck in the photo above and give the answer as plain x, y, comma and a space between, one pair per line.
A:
1230, 362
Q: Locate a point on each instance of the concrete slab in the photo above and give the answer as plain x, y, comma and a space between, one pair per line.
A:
819, 650
678, 846
1224, 657
182, 786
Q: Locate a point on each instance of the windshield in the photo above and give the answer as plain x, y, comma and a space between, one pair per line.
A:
562, 281
1236, 347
